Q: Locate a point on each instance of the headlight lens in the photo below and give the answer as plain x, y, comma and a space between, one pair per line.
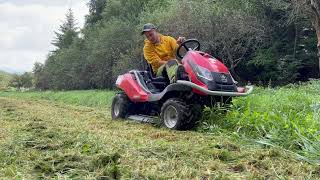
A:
201, 71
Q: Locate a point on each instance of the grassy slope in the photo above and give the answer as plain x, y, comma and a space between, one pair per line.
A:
47, 139
4, 79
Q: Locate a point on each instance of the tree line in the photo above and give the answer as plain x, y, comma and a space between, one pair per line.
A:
261, 41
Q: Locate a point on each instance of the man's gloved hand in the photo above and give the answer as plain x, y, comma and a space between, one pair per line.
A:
181, 40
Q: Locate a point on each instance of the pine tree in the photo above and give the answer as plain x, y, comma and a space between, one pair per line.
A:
67, 33
96, 8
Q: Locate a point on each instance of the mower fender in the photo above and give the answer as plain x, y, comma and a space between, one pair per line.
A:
130, 86
172, 87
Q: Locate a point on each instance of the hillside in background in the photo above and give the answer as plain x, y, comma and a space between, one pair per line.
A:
4, 79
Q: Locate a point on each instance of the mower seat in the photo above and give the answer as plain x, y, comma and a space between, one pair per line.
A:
159, 82
152, 75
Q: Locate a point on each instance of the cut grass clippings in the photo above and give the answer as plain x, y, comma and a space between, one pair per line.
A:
90, 98
271, 123
41, 139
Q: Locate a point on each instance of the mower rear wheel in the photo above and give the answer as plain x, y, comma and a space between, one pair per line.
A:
176, 114
120, 106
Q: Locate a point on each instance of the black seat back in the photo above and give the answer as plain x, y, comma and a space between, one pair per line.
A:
159, 82
152, 75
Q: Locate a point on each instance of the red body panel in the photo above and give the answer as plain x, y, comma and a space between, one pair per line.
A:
205, 61
131, 88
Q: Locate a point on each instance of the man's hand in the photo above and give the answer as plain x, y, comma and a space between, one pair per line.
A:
181, 40
162, 62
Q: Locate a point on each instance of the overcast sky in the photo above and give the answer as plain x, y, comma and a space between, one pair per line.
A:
27, 29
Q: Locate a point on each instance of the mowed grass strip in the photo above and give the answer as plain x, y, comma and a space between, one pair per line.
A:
286, 117
90, 98
40, 139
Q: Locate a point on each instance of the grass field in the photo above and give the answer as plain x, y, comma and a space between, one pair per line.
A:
90, 98
274, 133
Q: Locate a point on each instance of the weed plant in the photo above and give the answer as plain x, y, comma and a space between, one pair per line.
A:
288, 117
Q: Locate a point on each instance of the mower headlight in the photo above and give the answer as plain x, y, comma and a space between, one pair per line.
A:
201, 71
204, 73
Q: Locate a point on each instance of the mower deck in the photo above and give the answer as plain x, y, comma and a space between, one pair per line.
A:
143, 118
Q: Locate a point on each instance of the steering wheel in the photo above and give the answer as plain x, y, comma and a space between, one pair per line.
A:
186, 45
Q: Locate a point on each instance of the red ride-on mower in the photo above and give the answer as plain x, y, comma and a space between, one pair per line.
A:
206, 82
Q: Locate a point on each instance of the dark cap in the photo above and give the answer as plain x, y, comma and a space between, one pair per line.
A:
148, 27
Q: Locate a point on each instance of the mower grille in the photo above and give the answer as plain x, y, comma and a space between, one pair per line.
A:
222, 82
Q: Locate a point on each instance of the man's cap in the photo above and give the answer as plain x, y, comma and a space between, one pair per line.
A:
148, 27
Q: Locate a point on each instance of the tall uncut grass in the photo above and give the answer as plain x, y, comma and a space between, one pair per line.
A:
288, 117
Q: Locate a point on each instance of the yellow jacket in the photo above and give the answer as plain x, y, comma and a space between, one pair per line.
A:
164, 51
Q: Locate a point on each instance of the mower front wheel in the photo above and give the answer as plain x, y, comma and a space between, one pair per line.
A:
176, 114
120, 106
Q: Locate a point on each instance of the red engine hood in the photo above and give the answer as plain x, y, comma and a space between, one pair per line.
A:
206, 61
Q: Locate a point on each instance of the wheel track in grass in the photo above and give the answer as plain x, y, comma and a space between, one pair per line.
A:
48, 139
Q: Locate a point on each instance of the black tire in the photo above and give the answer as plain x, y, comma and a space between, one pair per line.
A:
196, 116
176, 114
120, 106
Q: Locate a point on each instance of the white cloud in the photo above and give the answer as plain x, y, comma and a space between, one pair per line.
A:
28, 29
19, 61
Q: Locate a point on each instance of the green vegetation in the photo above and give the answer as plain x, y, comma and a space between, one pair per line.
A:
4, 79
272, 134
90, 98
286, 117
41, 139
260, 41
21, 81
8, 81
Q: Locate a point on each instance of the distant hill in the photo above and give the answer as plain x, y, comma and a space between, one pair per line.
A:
4, 79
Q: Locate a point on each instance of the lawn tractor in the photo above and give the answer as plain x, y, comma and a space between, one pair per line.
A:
179, 105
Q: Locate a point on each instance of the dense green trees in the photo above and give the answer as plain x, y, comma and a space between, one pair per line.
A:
310, 9
261, 41
288, 53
